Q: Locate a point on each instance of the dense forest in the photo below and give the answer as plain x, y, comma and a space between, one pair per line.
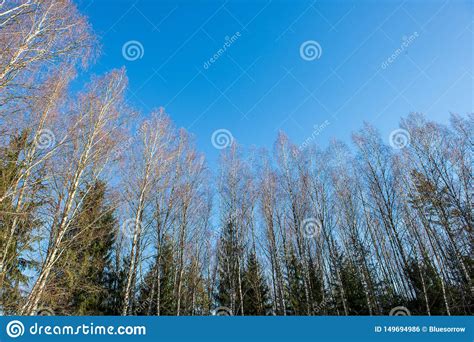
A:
105, 210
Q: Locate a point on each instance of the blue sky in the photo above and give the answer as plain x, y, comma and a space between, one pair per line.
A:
379, 61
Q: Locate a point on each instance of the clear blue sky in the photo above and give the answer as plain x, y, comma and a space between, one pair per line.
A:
261, 84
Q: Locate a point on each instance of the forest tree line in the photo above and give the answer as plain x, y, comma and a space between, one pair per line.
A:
108, 211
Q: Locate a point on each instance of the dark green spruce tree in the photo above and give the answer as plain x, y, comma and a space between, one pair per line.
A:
354, 291
295, 278
229, 284
255, 288
156, 292
86, 273
15, 244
